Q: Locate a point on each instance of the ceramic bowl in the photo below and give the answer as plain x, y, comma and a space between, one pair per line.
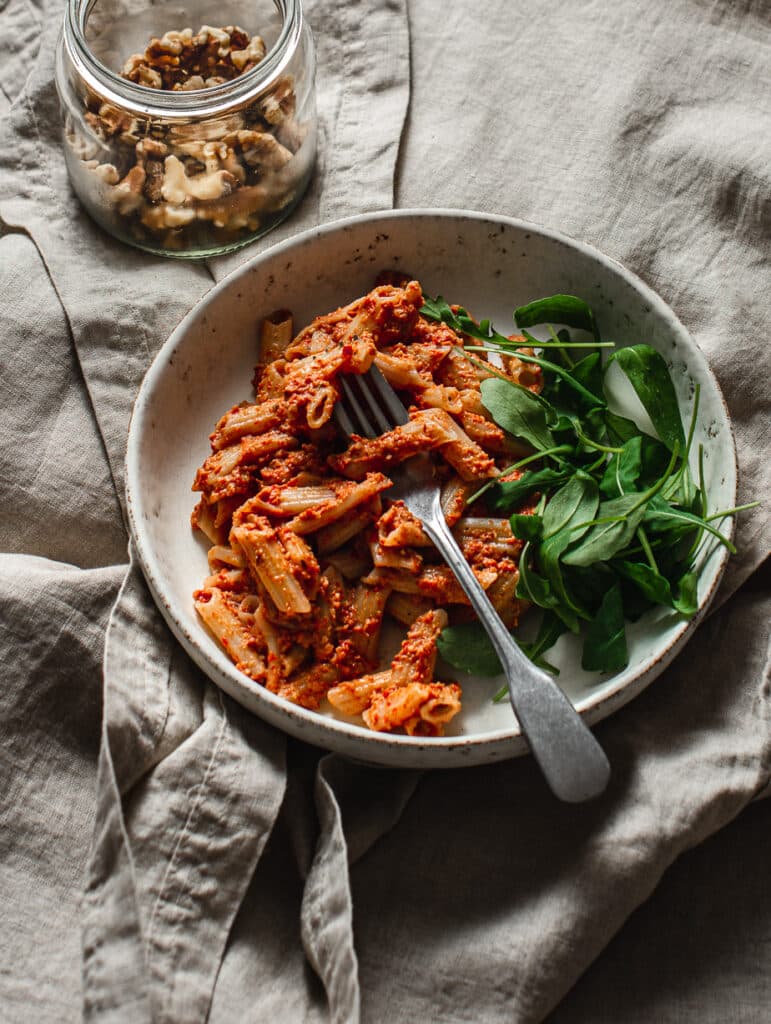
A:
488, 264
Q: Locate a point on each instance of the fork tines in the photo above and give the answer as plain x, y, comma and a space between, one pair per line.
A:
369, 405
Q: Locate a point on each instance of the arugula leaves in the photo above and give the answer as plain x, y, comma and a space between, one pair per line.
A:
605, 643
519, 411
620, 520
557, 309
649, 376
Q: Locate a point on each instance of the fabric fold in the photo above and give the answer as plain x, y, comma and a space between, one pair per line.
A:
189, 789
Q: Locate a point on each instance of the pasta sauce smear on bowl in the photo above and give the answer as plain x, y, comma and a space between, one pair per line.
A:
309, 557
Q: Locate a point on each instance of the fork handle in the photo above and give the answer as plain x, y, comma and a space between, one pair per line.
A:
571, 759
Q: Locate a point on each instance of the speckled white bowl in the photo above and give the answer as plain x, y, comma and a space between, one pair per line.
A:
488, 264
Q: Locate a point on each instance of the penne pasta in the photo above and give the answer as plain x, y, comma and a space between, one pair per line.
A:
406, 608
309, 555
247, 418
243, 645
352, 697
368, 607
439, 396
401, 373
394, 558
276, 558
419, 708
346, 498
276, 332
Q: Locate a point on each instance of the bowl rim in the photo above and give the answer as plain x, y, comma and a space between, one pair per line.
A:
500, 743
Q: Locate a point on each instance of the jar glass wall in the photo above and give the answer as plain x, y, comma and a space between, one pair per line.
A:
187, 131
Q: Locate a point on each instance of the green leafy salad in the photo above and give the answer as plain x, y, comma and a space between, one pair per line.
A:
620, 517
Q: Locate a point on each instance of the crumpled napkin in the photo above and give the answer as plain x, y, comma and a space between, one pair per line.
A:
232, 873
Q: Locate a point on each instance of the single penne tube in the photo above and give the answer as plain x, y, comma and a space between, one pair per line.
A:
288, 500
240, 644
457, 371
503, 594
465, 456
439, 583
323, 635
202, 518
225, 507
229, 579
330, 538
319, 409
394, 558
310, 687
272, 565
471, 400
440, 707
364, 455
415, 659
426, 429
302, 561
292, 659
440, 396
309, 341
484, 528
247, 418
274, 661
354, 695
276, 332
406, 608
390, 708
396, 579
487, 434
400, 371
347, 497
220, 555
453, 498
527, 375
349, 563
270, 381
368, 607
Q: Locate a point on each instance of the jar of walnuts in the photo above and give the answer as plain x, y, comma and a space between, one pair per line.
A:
192, 139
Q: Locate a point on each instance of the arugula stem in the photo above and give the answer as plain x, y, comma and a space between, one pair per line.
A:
730, 511
595, 444
703, 507
710, 529
511, 347
645, 544
564, 353
686, 454
653, 491
560, 449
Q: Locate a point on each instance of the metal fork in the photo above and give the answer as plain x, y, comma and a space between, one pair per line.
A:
571, 759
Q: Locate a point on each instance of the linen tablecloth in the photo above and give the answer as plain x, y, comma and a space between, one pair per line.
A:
165, 856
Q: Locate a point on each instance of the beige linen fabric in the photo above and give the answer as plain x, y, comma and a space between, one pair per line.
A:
218, 871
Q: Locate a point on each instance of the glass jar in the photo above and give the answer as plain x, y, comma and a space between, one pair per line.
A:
181, 137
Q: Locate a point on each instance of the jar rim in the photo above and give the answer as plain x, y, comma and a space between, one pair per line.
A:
179, 104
